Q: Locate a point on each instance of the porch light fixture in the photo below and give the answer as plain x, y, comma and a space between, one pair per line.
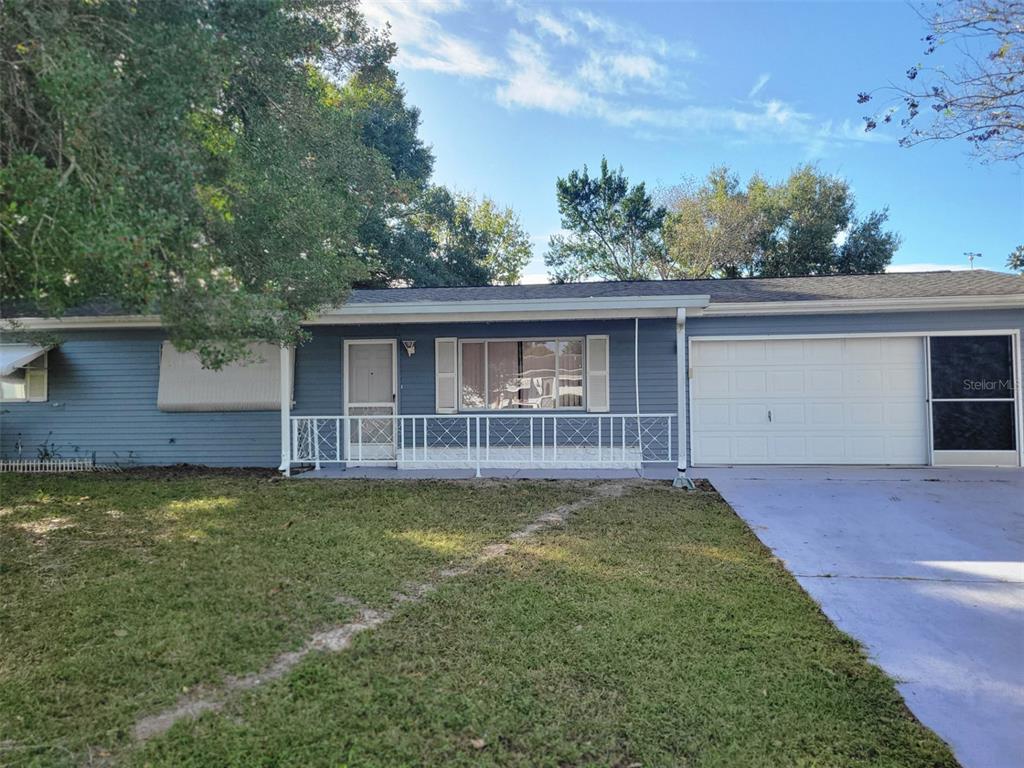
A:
410, 347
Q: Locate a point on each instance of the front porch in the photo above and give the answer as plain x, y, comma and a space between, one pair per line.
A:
500, 445
545, 398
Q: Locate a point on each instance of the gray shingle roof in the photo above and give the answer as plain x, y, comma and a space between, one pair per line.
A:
978, 282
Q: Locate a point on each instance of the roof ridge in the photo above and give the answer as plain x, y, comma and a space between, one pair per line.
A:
692, 280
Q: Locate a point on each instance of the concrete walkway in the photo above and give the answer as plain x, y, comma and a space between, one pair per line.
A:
926, 568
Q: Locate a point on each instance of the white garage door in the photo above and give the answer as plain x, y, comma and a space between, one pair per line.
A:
809, 401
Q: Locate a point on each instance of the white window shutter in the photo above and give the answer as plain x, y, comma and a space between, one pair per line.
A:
446, 399
598, 399
35, 385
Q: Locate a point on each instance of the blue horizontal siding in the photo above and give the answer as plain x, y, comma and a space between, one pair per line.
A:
103, 384
102, 402
319, 382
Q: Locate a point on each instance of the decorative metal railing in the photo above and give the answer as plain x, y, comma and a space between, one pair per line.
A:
484, 440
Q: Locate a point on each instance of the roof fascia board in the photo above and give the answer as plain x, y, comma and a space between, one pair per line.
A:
595, 308
491, 317
840, 306
550, 305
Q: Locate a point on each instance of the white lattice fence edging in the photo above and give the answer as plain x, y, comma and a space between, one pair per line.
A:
54, 465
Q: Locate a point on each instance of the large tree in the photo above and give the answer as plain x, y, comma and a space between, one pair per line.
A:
972, 84
431, 242
613, 228
805, 225
508, 247
235, 166
712, 228
191, 156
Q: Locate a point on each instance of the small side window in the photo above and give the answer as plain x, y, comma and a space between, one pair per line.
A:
27, 384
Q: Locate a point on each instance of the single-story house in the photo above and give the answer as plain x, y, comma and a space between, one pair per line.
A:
898, 369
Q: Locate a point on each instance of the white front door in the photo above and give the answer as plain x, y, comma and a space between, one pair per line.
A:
809, 401
371, 392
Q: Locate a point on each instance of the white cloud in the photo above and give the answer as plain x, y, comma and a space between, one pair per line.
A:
548, 24
612, 31
762, 81
924, 266
616, 73
574, 61
532, 83
422, 41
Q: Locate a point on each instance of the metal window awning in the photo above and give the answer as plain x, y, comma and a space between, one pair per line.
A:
15, 356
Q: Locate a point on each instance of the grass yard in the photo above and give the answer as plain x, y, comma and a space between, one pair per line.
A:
652, 630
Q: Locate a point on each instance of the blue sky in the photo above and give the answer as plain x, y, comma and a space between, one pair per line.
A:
515, 94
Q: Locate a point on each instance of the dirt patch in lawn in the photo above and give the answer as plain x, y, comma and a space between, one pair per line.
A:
338, 638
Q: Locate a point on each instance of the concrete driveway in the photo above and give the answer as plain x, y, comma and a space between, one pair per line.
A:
926, 569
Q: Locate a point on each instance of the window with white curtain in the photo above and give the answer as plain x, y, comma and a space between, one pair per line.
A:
505, 374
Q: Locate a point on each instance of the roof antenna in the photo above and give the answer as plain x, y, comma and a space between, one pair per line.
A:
971, 256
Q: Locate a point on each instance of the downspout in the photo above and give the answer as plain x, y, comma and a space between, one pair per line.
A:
682, 373
286, 411
636, 388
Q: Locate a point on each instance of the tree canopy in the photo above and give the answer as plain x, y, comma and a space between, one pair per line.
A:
508, 247
972, 86
805, 225
1015, 260
235, 165
613, 228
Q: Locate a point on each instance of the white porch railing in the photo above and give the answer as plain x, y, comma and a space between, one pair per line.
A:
521, 440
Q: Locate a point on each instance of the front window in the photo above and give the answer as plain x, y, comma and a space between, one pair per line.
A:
522, 373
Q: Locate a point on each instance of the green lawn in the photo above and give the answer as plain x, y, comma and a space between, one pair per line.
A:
653, 630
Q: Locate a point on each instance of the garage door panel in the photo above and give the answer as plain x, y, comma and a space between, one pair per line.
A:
711, 414
822, 351
862, 350
826, 414
827, 449
711, 353
863, 381
903, 381
750, 414
785, 351
825, 380
789, 413
905, 449
786, 382
864, 448
750, 448
904, 415
832, 401
713, 381
791, 448
750, 382
716, 447
866, 414
747, 352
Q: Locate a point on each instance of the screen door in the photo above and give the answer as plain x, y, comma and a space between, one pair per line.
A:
371, 394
